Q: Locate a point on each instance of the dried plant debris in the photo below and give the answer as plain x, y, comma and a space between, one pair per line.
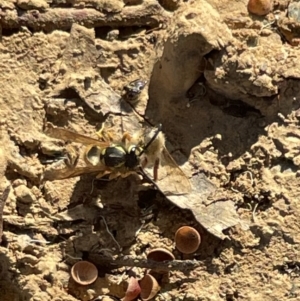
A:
179, 265
150, 14
214, 217
3, 197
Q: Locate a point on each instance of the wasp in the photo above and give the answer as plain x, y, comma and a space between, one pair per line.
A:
130, 154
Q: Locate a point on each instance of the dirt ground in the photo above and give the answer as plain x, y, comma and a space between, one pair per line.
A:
223, 83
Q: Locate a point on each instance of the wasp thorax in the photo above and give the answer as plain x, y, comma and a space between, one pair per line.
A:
113, 156
117, 156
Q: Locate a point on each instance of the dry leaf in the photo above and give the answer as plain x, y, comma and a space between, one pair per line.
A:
216, 216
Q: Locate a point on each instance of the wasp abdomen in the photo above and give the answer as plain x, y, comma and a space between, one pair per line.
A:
113, 156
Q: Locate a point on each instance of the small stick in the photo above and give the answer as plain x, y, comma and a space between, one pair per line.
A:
253, 213
150, 14
3, 198
174, 265
111, 235
251, 176
92, 189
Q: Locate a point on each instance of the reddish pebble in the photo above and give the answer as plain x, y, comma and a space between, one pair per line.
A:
260, 7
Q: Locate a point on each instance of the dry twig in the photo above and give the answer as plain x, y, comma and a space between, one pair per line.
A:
3, 198
150, 14
179, 265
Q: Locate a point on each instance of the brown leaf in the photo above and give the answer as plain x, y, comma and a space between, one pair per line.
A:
215, 217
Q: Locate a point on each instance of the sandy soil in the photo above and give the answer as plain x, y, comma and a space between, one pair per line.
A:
223, 83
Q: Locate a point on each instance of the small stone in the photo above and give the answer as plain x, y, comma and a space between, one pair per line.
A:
24, 194
18, 182
133, 2
32, 4
294, 11
109, 6
112, 35
170, 5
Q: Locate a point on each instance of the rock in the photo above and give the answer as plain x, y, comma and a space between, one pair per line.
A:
19, 182
32, 4
170, 5
112, 35
109, 6
294, 11
24, 194
133, 2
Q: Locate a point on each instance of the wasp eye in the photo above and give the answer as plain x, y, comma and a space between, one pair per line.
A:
132, 149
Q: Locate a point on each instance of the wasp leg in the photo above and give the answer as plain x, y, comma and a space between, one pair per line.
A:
155, 170
127, 174
105, 134
55, 172
102, 174
72, 157
126, 137
113, 175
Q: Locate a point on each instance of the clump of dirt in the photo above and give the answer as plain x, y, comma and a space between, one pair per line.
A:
223, 83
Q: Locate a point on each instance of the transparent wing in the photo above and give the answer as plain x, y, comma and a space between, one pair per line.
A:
68, 172
171, 180
172, 176
74, 164
66, 135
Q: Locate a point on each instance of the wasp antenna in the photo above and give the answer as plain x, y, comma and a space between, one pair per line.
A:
152, 139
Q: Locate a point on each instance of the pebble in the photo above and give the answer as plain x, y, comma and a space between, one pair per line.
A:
32, 4
112, 35
24, 194
294, 11
19, 182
